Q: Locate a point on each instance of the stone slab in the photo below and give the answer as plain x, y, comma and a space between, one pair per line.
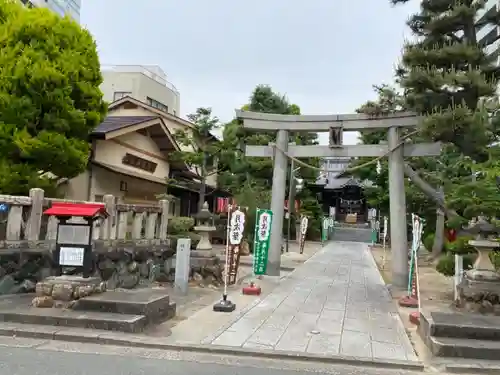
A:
70, 318
155, 305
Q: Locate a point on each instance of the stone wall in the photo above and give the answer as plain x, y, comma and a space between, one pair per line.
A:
131, 246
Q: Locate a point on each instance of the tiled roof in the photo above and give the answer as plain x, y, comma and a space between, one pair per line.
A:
112, 123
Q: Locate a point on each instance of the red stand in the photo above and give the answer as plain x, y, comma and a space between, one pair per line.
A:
412, 299
252, 290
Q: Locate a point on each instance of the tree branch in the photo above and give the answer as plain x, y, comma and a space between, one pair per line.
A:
429, 191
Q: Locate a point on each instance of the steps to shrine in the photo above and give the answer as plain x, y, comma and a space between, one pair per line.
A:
129, 311
352, 233
461, 335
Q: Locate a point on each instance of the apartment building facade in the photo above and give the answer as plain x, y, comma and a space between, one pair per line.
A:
61, 7
146, 83
488, 34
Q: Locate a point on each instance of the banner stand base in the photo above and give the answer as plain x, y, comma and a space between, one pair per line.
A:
224, 305
414, 318
252, 289
408, 301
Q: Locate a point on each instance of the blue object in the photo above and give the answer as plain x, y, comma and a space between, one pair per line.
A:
4, 207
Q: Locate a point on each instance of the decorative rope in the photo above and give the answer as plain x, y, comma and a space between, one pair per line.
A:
352, 169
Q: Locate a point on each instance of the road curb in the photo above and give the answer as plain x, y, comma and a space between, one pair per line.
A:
48, 333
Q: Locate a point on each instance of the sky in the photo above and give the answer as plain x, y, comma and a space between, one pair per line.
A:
324, 55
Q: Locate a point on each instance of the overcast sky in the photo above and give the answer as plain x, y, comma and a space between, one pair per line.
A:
323, 54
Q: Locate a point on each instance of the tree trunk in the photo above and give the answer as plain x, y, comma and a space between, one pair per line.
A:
203, 187
437, 246
428, 190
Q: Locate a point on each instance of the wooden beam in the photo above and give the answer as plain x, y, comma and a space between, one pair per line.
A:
315, 151
323, 123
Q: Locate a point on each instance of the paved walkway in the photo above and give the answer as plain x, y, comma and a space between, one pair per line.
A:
335, 303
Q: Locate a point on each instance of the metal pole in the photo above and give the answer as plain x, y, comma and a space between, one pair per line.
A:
290, 205
397, 205
278, 204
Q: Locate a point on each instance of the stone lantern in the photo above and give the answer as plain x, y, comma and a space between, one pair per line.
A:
204, 228
482, 278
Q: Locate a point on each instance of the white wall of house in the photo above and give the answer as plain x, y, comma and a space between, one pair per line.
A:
147, 84
112, 151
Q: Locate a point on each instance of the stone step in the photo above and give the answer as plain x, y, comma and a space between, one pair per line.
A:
461, 326
352, 234
155, 305
76, 319
464, 348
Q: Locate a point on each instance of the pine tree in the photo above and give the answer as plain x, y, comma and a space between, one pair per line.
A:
448, 76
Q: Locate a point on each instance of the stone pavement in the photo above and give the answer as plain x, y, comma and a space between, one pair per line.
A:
336, 303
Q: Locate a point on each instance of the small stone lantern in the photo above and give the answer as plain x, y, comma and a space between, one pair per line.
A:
204, 227
483, 269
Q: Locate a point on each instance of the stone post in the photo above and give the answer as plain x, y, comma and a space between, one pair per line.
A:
35, 218
182, 265
397, 207
165, 206
278, 204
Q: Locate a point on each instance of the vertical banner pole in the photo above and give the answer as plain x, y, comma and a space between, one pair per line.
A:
226, 305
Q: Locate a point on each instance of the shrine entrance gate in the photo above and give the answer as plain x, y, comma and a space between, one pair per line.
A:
395, 149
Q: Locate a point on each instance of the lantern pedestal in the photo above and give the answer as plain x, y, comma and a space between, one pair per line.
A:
224, 305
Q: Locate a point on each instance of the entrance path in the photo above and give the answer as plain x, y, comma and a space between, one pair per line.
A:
336, 303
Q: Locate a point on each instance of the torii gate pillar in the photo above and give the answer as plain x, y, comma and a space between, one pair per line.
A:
397, 209
277, 204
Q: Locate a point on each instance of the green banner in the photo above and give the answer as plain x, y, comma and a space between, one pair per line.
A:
261, 241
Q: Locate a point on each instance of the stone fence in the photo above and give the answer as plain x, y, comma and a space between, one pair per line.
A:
129, 246
23, 227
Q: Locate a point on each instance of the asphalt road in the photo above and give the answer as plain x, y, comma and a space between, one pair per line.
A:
38, 357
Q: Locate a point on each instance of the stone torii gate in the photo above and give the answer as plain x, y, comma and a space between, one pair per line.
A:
335, 125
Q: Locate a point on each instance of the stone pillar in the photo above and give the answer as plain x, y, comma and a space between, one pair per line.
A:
397, 203
278, 204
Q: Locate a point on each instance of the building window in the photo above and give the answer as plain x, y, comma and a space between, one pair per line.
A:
156, 104
120, 94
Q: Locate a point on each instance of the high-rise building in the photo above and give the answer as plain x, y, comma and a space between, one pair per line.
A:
489, 34
146, 83
61, 7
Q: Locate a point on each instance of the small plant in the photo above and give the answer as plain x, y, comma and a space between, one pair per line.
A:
446, 264
180, 225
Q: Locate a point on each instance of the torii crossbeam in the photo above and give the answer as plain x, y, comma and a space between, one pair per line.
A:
283, 124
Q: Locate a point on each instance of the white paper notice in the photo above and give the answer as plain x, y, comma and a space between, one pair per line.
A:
71, 256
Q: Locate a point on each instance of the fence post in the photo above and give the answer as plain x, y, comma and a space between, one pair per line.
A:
164, 204
34, 222
459, 268
107, 226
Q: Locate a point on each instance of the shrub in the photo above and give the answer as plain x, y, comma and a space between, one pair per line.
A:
460, 246
429, 241
495, 259
446, 264
179, 225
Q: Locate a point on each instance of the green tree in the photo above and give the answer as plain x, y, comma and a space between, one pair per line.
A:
250, 179
201, 149
50, 99
447, 75
446, 171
